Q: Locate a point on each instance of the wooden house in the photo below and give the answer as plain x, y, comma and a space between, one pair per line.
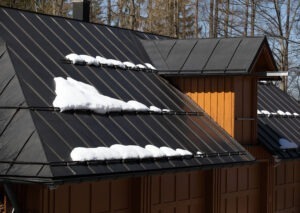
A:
209, 87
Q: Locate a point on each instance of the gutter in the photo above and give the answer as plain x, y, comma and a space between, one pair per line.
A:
12, 197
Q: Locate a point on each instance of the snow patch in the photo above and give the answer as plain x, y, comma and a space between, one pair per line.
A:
155, 109
122, 152
150, 66
288, 113
155, 151
183, 152
286, 144
125, 152
89, 60
96, 61
137, 106
169, 152
263, 82
88, 98
265, 112
74, 58
140, 66
116, 63
279, 112
129, 65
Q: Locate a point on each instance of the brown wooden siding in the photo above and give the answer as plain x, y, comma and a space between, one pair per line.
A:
102, 196
184, 192
241, 189
181, 192
287, 187
230, 101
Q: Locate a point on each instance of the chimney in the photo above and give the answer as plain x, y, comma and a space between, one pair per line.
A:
81, 10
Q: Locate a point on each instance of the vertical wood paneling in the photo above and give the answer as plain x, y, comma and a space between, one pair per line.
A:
168, 188
121, 194
100, 199
221, 102
238, 90
200, 91
80, 198
287, 187
241, 189
207, 94
229, 107
180, 192
182, 186
214, 98
62, 199
230, 101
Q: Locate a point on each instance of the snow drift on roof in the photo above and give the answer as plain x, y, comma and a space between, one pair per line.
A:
88, 98
122, 152
286, 144
99, 60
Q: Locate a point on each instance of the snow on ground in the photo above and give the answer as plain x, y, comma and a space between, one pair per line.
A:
122, 152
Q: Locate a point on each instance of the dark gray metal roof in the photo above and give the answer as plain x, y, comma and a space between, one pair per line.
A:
36, 139
272, 128
215, 56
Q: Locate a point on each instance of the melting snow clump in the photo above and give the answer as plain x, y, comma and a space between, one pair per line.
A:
88, 98
122, 152
98, 60
286, 144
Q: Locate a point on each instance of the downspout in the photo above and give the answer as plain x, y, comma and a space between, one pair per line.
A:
12, 197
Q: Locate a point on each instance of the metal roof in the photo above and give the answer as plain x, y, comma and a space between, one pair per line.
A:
213, 56
36, 139
272, 128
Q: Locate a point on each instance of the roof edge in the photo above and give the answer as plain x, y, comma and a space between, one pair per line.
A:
99, 24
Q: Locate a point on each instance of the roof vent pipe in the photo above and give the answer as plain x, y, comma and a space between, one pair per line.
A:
81, 10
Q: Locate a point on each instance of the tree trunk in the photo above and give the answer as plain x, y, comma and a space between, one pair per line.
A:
216, 19
246, 18
196, 31
227, 13
211, 18
109, 12
253, 15
132, 15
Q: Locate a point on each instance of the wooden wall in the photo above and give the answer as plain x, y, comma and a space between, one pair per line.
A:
230, 101
179, 193
183, 192
258, 188
287, 187
115, 196
242, 189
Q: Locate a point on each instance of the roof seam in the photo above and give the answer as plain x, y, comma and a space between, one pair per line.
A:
208, 59
20, 151
188, 55
233, 55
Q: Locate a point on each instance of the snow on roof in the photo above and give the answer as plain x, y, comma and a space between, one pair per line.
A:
278, 113
122, 152
88, 98
99, 60
286, 144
